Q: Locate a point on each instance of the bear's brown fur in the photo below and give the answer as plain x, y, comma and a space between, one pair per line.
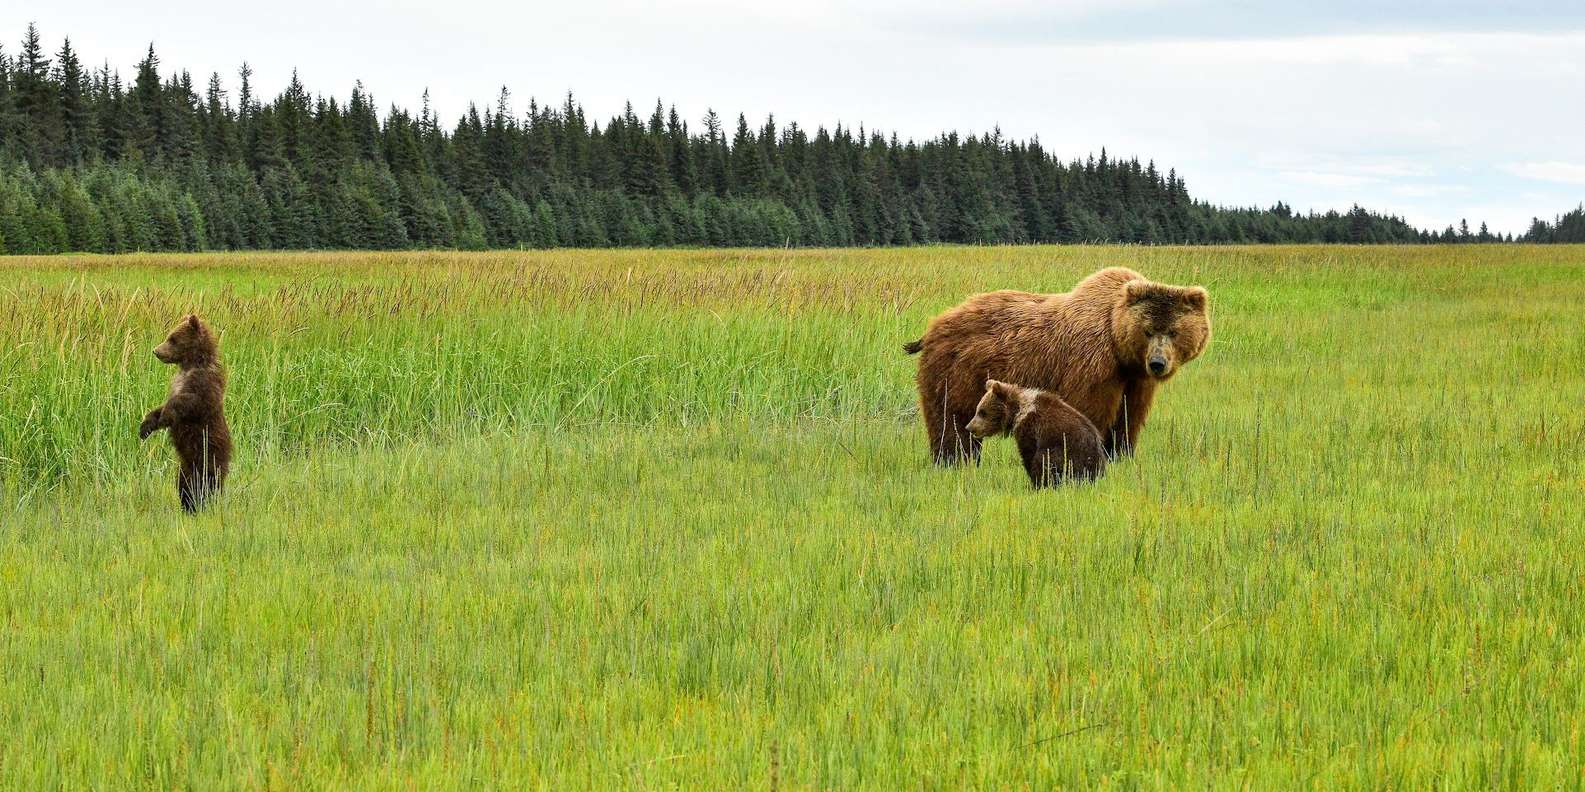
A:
194, 412
1103, 348
1055, 440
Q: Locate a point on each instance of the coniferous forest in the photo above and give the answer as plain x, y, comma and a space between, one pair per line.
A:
91, 160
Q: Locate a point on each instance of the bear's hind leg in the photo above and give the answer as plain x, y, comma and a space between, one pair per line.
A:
1049, 467
1038, 468
963, 446
950, 443
195, 487
187, 490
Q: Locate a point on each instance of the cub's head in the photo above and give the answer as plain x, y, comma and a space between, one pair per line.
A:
191, 343
997, 410
1157, 327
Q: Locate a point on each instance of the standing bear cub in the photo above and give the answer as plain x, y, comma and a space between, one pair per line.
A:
1102, 348
1055, 440
194, 412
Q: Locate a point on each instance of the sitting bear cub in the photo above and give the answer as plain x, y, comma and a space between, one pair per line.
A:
1056, 441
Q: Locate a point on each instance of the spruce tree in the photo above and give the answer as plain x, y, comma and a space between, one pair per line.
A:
36, 102
145, 113
77, 128
11, 124
219, 124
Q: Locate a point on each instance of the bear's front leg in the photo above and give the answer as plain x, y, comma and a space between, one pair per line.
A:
151, 423
1131, 414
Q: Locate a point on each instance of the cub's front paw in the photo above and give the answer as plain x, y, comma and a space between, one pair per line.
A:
151, 424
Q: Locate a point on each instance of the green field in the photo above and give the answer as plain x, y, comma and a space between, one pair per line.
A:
664, 518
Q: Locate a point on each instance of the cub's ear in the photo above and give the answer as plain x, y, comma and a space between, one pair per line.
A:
1195, 298
192, 321
1135, 290
991, 384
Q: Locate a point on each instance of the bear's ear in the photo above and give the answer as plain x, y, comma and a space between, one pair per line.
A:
991, 384
1195, 298
192, 321
1135, 290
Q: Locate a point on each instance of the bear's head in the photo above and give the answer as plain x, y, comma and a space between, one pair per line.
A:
191, 344
997, 411
1157, 328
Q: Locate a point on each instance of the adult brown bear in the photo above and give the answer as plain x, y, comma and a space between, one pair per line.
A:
1103, 348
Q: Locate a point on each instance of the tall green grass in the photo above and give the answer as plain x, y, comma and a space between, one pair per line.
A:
663, 518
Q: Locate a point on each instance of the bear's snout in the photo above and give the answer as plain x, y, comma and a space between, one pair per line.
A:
1158, 357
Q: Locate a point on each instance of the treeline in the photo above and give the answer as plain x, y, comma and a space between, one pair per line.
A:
90, 161
1569, 227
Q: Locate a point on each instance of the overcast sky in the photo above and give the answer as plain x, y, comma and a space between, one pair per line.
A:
1432, 110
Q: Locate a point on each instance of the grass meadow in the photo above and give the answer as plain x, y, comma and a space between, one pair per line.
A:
609, 519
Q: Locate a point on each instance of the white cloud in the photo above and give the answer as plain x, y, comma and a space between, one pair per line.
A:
1428, 190
1393, 170
1323, 179
1338, 171
1554, 171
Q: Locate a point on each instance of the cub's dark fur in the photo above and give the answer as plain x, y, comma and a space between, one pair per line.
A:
194, 412
1055, 440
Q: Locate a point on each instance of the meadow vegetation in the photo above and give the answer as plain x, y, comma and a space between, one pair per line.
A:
649, 518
